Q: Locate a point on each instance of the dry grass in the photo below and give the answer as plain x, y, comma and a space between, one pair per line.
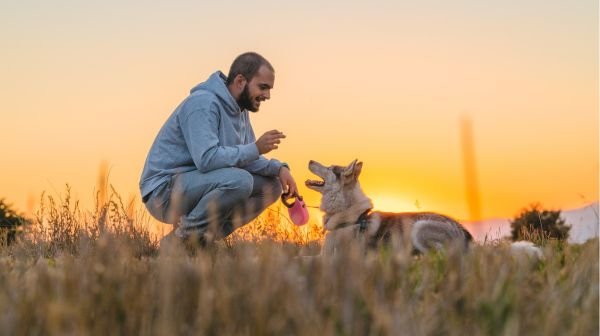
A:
102, 273
275, 226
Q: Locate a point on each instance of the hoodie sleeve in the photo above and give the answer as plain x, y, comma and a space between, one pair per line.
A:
199, 124
261, 166
264, 167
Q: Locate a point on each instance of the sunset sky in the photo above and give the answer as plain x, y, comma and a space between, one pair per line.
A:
387, 82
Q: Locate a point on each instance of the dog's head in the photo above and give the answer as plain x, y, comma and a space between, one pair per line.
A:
338, 184
333, 177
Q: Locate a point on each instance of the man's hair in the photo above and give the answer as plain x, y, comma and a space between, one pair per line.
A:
247, 65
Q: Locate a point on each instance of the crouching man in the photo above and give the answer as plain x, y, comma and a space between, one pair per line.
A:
206, 166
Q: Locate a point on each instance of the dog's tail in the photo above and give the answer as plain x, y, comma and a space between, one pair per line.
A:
526, 248
432, 233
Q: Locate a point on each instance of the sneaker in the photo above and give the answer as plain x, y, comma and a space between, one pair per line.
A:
190, 243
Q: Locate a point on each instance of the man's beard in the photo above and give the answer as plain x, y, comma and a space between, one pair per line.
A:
245, 101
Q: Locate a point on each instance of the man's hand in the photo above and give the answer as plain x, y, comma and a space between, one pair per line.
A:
269, 141
287, 182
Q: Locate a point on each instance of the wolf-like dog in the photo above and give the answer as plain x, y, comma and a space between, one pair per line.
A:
348, 214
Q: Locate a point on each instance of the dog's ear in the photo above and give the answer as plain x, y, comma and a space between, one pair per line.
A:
357, 170
353, 170
349, 170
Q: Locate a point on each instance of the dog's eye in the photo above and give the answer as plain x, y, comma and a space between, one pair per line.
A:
336, 172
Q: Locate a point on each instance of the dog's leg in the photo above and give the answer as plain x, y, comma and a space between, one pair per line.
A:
329, 245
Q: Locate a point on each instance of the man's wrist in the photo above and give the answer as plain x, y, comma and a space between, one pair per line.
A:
283, 164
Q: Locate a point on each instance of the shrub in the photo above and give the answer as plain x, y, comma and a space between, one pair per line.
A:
10, 223
537, 225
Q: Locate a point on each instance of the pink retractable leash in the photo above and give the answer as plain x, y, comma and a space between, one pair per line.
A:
297, 210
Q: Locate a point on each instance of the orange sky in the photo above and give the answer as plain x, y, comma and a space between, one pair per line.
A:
383, 82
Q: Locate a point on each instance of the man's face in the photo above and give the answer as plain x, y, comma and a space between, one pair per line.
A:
256, 90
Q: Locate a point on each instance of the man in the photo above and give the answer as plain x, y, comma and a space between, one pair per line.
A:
205, 166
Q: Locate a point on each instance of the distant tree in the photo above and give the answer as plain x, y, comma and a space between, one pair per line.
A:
10, 222
539, 223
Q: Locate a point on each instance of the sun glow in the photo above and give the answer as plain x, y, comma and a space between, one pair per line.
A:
395, 203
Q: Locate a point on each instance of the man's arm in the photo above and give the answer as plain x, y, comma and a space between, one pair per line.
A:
287, 182
263, 166
199, 125
266, 143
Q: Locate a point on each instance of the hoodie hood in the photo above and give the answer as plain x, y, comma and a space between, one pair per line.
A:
215, 84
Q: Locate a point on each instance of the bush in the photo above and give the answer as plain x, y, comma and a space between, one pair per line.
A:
10, 223
537, 225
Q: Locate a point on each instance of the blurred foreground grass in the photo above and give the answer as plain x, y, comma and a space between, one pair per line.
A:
101, 272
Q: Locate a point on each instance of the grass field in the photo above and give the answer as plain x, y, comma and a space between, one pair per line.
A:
101, 272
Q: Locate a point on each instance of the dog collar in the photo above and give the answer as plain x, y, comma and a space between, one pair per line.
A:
363, 220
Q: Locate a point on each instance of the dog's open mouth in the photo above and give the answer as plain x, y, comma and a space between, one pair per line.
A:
314, 183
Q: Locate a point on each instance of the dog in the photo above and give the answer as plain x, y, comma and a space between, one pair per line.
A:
348, 212
348, 215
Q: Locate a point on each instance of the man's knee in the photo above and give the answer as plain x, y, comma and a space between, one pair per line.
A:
239, 182
271, 189
275, 185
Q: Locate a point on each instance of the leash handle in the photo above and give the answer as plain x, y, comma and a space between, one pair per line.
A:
285, 197
297, 210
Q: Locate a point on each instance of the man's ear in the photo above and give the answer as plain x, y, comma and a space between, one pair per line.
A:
240, 80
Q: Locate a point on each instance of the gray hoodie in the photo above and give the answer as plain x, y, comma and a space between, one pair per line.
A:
207, 131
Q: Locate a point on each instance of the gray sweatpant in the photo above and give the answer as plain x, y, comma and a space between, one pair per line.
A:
226, 198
